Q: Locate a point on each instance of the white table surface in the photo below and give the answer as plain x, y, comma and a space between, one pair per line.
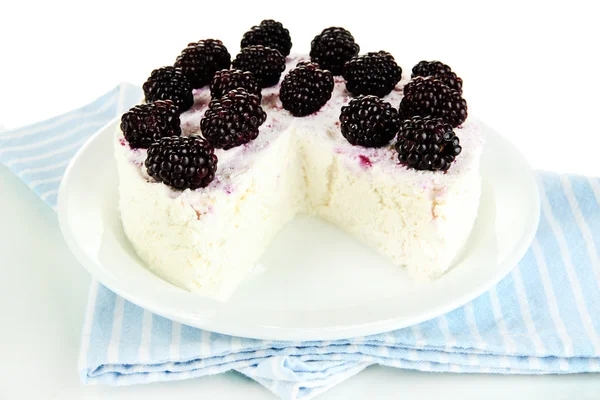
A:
525, 66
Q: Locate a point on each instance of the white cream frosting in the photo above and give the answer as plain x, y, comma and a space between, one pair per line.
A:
209, 239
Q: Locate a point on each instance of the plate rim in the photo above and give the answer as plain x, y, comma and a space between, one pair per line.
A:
299, 334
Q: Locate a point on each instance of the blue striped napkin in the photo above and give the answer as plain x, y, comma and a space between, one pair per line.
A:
544, 317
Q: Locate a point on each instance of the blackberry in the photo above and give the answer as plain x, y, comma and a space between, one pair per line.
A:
427, 143
430, 96
440, 71
233, 119
146, 123
270, 34
200, 60
306, 89
369, 121
372, 73
332, 48
169, 83
265, 63
182, 162
229, 79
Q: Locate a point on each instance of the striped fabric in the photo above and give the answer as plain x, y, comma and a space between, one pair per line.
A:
39, 153
544, 317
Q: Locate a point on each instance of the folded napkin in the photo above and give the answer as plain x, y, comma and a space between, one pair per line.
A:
544, 317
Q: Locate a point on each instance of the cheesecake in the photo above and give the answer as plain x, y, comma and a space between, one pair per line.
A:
208, 239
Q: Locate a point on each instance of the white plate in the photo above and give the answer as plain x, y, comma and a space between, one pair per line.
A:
315, 282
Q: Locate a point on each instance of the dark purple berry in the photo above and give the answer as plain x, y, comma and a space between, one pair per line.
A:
427, 143
305, 89
265, 63
431, 97
233, 119
169, 83
269, 34
229, 79
332, 48
440, 71
182, 162
200, 60
144, 124
372, 73
369, 121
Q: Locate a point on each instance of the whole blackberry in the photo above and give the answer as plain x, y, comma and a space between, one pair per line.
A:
440, 71
427, 143
306, 89
233, 119
229, 79
372, 73
182, 162
169, 83
270, 34
431, 97
200, 60
265, 63
332, 48
146, 123
369, 121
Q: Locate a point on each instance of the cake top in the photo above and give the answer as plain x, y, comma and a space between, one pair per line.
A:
365, 109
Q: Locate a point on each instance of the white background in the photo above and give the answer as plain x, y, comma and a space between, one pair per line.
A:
531, 71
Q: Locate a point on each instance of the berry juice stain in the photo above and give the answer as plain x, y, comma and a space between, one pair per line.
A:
365, 161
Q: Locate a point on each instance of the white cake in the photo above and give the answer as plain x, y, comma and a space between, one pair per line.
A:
208, 240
